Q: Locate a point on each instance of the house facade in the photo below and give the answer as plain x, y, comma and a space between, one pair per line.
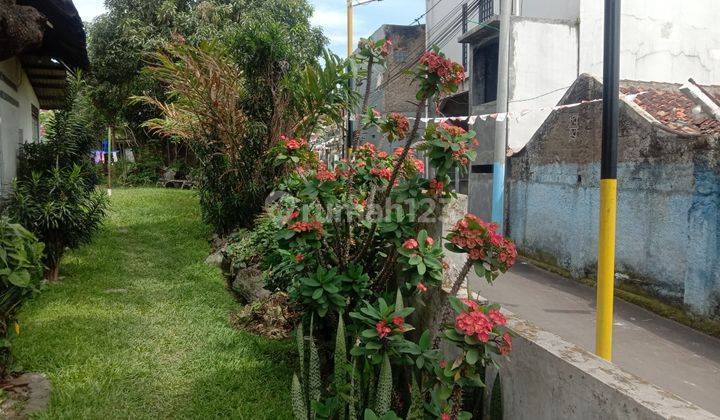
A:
39, 41
392, 89
552, 42
668, 216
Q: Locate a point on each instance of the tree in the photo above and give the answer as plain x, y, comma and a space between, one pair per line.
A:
233, 99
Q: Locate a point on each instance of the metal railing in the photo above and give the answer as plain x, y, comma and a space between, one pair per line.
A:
486, 10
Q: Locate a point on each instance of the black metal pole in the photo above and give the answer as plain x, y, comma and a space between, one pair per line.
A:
611, 88
608, 181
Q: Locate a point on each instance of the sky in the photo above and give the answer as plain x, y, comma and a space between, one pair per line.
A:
329, 14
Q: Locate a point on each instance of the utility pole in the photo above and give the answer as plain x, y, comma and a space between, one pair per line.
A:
351, 82
608, 181
498, 190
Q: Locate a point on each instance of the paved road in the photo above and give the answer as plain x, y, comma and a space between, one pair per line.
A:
670, 355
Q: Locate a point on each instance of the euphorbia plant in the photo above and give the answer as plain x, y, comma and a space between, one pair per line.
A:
489, 252
355, 230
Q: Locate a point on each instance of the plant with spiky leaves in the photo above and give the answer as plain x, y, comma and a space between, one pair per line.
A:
331, 221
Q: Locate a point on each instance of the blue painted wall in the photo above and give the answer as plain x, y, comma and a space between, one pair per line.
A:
667, 228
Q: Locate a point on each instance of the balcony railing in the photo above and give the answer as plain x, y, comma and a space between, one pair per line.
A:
486, 10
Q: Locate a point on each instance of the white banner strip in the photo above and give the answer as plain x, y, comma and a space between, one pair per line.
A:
471, 119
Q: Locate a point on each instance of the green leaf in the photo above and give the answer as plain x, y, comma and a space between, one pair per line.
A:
331, 288
369, 415
317, 293
422, 236
472, 356
309, 281
424, 341
399, 300
369, 333
453, 335
457, 305
20, 278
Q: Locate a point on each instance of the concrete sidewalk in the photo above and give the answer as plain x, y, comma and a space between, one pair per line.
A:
670, 355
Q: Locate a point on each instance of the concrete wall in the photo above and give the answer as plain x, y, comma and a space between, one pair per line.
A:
543, 57
543, 64
546, 377
480, 184
552, 9
14, 118
661, 41
668, 205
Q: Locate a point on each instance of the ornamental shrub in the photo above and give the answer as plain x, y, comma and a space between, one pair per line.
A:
232, 99
54, 194
21, 270
358, 233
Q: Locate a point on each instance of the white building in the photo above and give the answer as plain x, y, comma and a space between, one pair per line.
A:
39, 38
552, 42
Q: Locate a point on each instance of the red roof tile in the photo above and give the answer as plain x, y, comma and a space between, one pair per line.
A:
667, 104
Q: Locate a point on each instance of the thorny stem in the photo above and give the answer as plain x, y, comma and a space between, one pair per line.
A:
447, 312
366, 100
401, 159
463, 273
406, 149
338, 248
456, 401
387, 268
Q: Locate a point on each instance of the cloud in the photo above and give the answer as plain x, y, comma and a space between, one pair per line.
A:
329, 18
89, 9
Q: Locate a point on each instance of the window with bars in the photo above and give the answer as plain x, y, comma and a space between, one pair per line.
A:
486, 10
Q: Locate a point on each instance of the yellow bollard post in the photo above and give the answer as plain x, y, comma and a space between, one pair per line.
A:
606, 268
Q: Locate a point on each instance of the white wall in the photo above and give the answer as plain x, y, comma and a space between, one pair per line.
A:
13, 119
550, 9
543, 65
661, 40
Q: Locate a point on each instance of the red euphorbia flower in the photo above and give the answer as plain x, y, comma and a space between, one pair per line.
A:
382, 329
474, 323
506, 345
385, 48
324, 175
447, 71
410, 244
422, 288
497, 317
398, 321
385, 173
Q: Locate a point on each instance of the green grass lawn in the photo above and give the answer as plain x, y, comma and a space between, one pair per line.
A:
138, 325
